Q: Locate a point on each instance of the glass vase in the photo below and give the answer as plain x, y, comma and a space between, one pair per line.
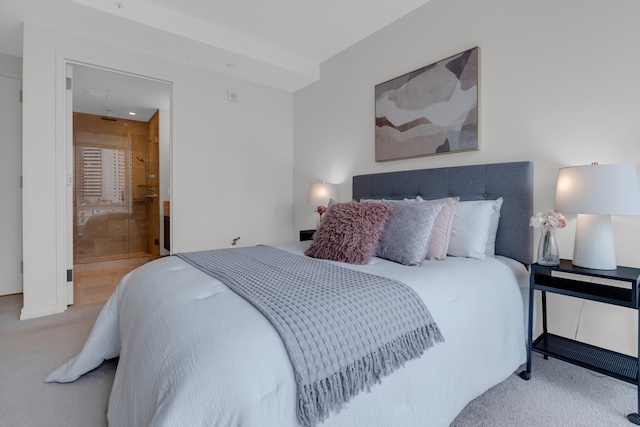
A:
319, 221
548, 248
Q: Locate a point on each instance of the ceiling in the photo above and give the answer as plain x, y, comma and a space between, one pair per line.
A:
279, 43
107, 93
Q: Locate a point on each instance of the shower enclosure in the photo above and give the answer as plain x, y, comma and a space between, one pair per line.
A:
116, 205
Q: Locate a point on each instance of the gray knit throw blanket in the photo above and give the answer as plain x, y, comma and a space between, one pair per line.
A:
343, 329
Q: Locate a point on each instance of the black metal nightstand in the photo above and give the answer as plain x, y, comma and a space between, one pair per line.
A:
597, 359
306, 235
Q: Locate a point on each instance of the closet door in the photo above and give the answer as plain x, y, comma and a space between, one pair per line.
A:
10, 191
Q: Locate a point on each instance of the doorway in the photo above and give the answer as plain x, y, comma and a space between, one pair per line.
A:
120, 177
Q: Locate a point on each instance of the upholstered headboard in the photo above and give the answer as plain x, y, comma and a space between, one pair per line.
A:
511, 181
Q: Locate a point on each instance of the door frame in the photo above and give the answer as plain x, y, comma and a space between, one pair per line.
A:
64, 161
14, 267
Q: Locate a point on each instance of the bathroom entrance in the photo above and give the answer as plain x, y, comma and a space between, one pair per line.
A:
118, 146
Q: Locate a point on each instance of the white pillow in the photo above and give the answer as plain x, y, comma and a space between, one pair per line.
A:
490, 249
470, 229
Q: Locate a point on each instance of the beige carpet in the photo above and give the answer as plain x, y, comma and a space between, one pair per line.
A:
559, 394
29, 351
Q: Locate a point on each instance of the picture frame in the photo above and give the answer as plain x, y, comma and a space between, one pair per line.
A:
432, 110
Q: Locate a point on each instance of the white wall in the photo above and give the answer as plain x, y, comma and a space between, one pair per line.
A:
558, 86
231, 162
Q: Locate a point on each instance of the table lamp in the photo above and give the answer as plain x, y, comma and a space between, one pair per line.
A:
319, 195
595, 192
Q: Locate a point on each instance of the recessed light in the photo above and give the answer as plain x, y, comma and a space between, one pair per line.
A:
131, 113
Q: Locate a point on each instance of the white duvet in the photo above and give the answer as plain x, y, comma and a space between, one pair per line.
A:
193, 353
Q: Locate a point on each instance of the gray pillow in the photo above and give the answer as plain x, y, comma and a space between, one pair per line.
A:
406, 236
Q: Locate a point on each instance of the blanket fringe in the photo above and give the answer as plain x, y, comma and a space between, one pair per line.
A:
318, 399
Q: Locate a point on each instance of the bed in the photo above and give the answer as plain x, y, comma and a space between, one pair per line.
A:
194, 352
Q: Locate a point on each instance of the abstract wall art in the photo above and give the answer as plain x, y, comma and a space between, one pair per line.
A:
432, 110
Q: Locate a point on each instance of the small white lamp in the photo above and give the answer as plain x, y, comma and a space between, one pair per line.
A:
596, 192
320, 193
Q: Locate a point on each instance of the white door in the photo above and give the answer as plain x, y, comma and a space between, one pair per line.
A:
10, 186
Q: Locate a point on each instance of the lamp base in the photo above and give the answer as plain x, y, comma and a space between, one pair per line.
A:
593, 246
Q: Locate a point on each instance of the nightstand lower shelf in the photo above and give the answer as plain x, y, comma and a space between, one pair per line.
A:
596, 359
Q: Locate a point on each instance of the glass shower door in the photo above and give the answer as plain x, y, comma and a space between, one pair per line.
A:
102, 202
115, 190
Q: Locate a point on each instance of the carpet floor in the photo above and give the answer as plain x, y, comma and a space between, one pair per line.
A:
558, 394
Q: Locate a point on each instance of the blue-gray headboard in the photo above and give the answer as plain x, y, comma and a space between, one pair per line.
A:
511, 181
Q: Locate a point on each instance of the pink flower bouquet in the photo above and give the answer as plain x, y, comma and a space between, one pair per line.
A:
549, 220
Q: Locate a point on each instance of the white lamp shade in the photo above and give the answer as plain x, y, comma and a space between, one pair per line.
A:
321, 192
598, 190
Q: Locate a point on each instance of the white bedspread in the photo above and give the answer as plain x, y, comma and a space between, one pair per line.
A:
193, 353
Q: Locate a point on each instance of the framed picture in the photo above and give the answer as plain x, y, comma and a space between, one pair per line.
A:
432, 110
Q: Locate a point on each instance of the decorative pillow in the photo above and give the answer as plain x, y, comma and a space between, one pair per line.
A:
470, 229
490, 248
386, 200
440, 237
406, 236
350, 232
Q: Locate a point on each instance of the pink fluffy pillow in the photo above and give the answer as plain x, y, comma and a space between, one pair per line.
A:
350, 232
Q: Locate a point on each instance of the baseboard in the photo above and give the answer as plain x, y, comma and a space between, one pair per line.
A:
38, 311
